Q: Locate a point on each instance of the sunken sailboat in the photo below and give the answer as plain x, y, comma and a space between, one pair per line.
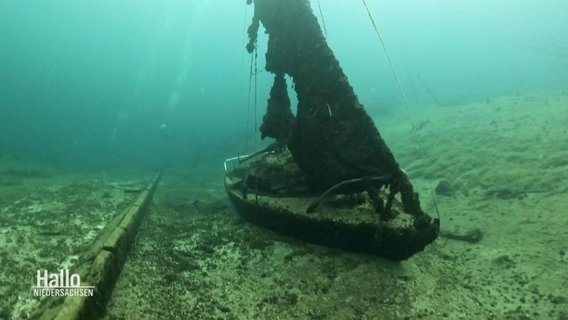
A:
329, 177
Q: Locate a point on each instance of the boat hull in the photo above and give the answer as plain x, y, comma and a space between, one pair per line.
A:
352, 229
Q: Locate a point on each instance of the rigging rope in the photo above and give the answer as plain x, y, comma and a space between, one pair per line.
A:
249, 102
250, 75
255, 94
404, 101
322, 21
395, 74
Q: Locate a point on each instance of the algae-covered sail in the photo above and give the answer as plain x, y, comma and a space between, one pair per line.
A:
332, 179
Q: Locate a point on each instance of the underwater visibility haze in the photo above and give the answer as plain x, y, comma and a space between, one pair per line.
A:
444, 198
90, 83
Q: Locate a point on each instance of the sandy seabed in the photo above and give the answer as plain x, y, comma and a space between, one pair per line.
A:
499, 165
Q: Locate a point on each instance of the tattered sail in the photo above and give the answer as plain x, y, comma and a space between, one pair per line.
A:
332, 139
